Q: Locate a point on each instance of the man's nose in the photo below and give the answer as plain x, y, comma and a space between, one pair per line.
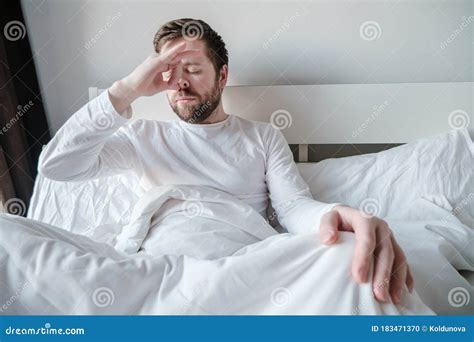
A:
183, 84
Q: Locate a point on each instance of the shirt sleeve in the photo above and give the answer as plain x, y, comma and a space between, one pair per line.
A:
290, 196
93, 143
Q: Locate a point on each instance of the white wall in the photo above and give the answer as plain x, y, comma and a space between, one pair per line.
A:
280, 43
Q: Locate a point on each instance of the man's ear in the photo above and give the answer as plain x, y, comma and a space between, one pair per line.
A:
223, 74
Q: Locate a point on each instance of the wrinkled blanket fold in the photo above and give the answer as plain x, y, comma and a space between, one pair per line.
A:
200, 251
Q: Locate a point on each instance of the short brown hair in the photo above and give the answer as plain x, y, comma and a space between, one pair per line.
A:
192, 29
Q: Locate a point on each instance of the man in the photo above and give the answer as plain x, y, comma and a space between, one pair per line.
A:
209, 147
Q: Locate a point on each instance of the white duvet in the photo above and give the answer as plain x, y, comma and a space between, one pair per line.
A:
206, 252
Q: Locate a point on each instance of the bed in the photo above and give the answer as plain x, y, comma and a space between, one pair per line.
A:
363, 146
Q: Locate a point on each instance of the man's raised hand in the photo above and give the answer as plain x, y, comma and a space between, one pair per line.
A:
147, 79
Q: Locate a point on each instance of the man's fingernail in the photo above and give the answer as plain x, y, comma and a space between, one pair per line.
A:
380, 294
328, 237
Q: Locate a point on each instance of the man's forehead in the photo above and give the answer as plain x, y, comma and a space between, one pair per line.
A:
190, 45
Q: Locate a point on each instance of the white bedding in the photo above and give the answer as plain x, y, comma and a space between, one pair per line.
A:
425, 190
440, 168
47, 270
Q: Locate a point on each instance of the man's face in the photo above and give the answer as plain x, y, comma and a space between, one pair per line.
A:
199, 91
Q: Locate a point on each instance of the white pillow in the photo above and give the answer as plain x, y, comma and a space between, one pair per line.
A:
439, 168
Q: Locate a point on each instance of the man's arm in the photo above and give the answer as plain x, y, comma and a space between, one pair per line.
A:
93, 143
299, 213
291, 198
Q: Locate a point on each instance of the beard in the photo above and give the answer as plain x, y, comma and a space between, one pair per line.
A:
197, 113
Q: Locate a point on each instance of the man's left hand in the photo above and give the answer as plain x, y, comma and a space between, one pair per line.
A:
374, 241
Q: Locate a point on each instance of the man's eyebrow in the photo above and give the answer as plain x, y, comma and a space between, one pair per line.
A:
191, 63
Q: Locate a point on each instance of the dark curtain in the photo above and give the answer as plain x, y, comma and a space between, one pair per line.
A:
23, 125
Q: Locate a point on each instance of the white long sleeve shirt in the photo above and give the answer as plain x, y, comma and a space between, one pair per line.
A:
248, 159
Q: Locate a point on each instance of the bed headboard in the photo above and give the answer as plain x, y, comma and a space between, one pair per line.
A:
324, 121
